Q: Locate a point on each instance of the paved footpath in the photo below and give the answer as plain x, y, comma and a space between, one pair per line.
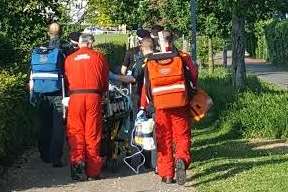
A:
268, 73
261, 69
32, 175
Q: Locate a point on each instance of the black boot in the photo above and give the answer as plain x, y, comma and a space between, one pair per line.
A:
167, 180
180, 172
78, 172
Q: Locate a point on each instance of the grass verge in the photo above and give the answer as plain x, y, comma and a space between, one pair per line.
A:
225, 158
114, 47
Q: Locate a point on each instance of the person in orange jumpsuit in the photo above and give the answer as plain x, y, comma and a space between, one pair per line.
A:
172, 125
86, 73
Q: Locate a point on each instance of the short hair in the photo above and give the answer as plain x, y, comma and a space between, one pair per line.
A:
86, 38
155, 29
54, 29
147, 43
142, 33
74, 36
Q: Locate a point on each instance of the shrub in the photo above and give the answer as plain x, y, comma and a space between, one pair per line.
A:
277, 41
16, 125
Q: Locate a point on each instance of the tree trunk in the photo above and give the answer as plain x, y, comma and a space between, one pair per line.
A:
211, 54
225, 56
238, 48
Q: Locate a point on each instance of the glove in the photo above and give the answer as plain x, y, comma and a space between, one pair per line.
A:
140, 113
128, 79
65, 101
129, 72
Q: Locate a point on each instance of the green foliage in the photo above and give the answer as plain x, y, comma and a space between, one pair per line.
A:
23, 26
114, 47
222, 160
258, 112
16, 124
277, 37
261, 48
202, 52
203, 47
251, 43
176, 15
110, 12
256, 43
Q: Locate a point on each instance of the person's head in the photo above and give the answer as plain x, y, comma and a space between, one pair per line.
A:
54, 30
154, 34
147, 46
155, 29
86, 40
141, 34
74, 38
165, 40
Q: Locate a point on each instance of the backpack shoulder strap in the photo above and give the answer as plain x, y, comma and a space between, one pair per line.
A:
147, 82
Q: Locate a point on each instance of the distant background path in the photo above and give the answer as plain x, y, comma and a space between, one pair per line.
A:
263, 70
270, 73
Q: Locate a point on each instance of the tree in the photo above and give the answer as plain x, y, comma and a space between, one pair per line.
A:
245, 13
113, 12
25, 24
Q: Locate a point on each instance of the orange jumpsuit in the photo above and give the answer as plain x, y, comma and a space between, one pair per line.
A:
86, 73
172, 127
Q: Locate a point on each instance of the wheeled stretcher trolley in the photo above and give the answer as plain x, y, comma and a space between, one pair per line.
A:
117, 125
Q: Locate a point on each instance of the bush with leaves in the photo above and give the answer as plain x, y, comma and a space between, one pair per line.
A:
23, 27
277, 41
17, 129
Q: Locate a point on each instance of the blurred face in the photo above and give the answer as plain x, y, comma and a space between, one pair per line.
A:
139, 41
90, 45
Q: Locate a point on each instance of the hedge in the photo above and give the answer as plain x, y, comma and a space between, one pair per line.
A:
17, 129
272, 41
277, 42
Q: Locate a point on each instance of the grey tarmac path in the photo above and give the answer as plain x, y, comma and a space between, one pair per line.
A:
270, 74
32, 175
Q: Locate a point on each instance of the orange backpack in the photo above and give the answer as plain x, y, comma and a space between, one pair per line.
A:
200, 105
167, 88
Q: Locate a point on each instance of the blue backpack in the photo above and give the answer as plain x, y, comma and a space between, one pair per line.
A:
46, 70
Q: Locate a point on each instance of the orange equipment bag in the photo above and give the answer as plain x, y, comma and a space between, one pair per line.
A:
167, 83
200, 105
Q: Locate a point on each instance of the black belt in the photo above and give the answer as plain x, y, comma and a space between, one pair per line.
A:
85, 91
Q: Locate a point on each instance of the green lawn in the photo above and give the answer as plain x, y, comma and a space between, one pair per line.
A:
237, 165
114, 47
225, 158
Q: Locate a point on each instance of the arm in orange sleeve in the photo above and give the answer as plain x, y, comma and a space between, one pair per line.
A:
191, 67
144, 102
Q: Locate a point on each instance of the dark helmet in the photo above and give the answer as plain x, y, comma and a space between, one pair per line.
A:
142, 33
74, 36
155, 29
